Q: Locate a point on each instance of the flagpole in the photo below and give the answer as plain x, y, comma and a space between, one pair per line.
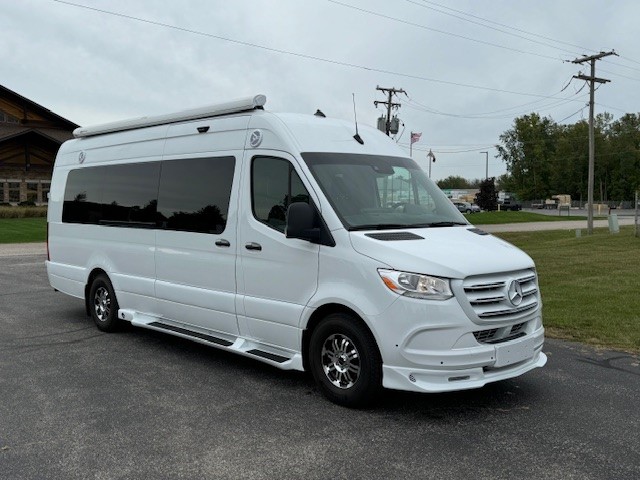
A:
411, 145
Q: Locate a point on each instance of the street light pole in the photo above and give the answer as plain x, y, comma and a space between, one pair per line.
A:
487, 164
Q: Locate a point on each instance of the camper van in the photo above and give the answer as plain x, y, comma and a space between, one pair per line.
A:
305, 242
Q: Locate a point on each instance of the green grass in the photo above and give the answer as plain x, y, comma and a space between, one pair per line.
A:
590, 285
23, 230
486, 218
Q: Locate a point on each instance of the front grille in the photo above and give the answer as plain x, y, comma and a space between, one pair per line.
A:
489, 295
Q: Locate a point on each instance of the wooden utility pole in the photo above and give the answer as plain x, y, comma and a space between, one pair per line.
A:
592, 79
390, 91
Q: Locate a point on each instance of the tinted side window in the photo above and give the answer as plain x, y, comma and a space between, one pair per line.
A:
194, 194
130, 194
117, 194
83, 196
274, 186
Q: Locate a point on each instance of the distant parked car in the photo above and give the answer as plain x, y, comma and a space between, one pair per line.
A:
466, 207
509, 205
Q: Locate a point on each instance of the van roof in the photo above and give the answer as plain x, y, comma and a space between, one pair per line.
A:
233, 106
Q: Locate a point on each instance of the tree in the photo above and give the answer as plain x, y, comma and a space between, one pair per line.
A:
528, 150
453, 182
487, 197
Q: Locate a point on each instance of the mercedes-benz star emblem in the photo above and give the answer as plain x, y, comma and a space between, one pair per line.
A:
256, 138
515, 293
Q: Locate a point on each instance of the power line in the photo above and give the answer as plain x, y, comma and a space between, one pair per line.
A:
420, 107
518, 30
490, 27
444, 32
299, 55
483, 42
565, 118
503, 25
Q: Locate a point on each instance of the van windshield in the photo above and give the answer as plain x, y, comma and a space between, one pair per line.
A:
371, 192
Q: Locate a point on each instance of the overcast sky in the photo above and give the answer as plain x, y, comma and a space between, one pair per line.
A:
505, 55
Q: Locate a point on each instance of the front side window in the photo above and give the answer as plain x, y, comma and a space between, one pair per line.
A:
274, 186
370, 192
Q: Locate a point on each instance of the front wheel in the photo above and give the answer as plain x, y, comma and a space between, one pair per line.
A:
345, 362
103, 304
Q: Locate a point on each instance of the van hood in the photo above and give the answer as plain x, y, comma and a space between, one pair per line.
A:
452, 252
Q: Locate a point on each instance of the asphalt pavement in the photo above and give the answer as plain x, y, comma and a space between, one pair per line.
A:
76, 403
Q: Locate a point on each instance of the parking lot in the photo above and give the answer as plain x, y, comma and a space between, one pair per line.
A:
78, 403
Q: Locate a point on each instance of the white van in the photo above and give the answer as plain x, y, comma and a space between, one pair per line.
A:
294, 240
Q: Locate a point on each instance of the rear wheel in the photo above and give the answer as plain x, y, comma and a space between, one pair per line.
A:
345, 362
103, 304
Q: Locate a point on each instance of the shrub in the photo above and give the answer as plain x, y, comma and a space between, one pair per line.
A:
22, 212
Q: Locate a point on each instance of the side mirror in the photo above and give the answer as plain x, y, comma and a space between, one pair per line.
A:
301, 222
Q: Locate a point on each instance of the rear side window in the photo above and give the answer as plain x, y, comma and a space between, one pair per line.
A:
274, 186
116, 194
189, 195
194, 194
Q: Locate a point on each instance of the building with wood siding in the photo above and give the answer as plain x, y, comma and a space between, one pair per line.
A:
30, 136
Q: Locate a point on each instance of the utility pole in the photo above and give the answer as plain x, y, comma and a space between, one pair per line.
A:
592, 79
389, 103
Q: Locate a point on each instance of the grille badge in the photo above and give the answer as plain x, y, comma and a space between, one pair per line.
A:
515, 293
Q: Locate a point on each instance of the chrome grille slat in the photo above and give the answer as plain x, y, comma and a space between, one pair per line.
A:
488, 300
508, 312
527, 279
485, 287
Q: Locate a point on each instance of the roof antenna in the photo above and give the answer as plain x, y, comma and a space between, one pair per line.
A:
356, 136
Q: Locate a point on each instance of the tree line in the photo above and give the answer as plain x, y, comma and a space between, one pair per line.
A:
544, 158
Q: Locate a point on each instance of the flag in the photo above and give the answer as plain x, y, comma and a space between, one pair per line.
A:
415, 137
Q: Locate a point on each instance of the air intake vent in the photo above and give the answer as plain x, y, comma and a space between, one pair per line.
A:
477, 231
391, 236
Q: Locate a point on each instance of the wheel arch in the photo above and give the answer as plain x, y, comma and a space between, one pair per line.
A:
320, 314
92, 275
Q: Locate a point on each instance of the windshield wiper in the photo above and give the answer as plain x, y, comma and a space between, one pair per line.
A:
380, 226
444, 224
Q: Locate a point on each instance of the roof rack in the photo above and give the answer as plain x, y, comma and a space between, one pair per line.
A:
234, 106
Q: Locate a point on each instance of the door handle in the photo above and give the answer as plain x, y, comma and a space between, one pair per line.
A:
223, 243
253, 246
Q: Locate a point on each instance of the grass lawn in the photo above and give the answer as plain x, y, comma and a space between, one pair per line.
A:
486, 218
590, 285
23, 230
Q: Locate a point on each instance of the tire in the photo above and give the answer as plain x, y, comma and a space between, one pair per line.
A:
103, 304
345, 362
469, 210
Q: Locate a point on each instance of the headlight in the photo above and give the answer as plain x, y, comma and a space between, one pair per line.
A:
416, 286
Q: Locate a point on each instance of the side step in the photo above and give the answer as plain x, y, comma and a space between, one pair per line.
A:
191, 333
268, 355
250, 348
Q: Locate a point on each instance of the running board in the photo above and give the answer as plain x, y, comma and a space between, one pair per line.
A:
191, 333
250, 348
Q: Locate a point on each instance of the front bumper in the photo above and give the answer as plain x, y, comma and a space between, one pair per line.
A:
447, 351
463, 378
